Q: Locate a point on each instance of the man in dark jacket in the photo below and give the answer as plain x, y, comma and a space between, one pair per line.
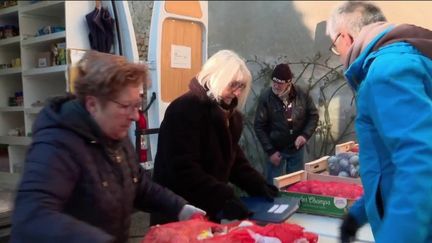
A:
81, 180
285, 119
198, 152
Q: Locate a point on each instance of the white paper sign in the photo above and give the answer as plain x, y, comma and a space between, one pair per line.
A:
180, 56
76, 55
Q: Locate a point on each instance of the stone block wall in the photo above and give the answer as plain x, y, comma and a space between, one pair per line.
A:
141, 12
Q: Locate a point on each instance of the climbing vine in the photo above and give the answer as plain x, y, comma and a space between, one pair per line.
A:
320, 79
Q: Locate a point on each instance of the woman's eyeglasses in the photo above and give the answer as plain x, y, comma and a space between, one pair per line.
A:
333, 46
128, 108
237, 85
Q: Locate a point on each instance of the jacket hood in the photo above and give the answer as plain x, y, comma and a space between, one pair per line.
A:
357, 55
202, 93
377, 35
66, 112
367, 35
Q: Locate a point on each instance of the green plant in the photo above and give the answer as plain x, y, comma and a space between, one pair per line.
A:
315, 75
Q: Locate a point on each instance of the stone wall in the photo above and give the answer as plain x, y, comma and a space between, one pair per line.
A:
141, 12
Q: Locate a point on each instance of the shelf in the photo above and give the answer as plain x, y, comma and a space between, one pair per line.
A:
43, 39
11, 109
10, 71
15, 140
46, 70
12, 41
33, 110
9, 11
44, 8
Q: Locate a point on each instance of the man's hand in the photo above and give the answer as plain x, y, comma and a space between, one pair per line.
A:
275, 158
300, 141
269, 192
348, 229
234, 209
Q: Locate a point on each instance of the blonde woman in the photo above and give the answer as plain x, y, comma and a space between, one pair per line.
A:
198, 152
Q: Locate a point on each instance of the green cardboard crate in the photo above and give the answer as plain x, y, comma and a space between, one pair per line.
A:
316, 204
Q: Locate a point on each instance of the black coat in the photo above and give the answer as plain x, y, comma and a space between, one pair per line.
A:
198, 153
74, 189
271, 126
101, 26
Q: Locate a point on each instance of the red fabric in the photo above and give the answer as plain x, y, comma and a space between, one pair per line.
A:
188, 231
285, 232
236, 236
311, 237
179, 232
142, 124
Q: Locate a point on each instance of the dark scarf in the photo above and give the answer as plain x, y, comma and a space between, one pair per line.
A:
287, 96
419, 37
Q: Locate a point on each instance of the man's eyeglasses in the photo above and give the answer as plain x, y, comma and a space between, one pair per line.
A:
333, 46
128, 108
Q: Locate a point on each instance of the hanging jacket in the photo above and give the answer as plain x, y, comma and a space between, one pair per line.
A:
101, 29
393, 84
78, 185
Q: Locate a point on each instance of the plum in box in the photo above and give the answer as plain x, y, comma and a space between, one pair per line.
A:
313, 203
324, 165
321, 165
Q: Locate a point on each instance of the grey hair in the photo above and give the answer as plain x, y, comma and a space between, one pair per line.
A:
220, 70
354, 16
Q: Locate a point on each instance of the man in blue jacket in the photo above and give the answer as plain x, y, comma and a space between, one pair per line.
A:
390, 69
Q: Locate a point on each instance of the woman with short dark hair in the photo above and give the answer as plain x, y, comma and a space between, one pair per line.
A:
81, 179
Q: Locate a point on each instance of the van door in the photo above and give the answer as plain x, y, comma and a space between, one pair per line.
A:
177, 50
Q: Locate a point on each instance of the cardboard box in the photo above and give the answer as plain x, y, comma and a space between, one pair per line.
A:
345, 147
316, 204
43, 59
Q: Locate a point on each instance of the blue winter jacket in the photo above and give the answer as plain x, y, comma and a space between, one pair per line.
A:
394, 130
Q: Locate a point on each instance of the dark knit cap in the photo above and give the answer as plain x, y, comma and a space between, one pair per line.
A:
282, 73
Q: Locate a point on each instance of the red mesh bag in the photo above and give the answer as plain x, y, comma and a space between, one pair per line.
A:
237, 236
179, 232
285, 232
189, 231
328, 188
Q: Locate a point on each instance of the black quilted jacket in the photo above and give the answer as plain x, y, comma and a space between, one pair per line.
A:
271, 126
74, 189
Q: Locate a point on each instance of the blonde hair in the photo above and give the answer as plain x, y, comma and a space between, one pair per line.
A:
354, 16
104, 75
220, 70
